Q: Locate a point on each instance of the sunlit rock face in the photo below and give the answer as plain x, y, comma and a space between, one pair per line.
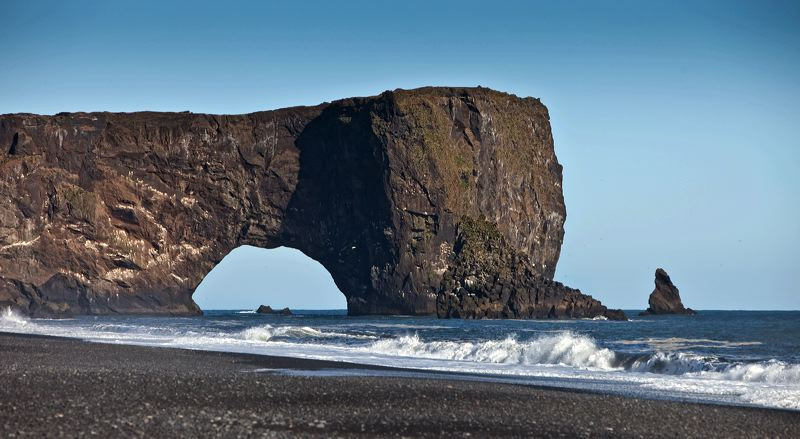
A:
127, 212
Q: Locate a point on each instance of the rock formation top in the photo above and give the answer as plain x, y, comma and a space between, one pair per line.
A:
127, 212
665, 298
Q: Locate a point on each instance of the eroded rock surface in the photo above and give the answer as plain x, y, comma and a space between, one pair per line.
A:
489, 279
665, 298
127, 212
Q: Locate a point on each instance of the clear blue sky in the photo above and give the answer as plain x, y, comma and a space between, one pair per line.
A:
677, 123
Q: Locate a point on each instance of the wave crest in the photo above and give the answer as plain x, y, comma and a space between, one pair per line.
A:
12, 319
679, 363
581, 351
269, 332
772, 372
671, 363
564, 348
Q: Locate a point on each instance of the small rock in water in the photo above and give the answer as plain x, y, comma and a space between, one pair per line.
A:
266, 309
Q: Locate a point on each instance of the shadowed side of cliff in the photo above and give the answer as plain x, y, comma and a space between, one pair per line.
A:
340, 211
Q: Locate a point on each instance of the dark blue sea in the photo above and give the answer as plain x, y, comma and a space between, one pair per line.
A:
728, 357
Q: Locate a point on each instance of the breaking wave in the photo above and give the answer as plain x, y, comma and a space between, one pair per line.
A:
564, 348
769, 372
10, 319
269, 332
670, 364
679, 363
772, 371
576, 350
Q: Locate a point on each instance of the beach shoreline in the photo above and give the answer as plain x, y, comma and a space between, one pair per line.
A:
67, 387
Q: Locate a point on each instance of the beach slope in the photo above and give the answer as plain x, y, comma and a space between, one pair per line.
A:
64, 387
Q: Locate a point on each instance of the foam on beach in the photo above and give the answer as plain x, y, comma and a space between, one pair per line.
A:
269, 332
551, 356
10, 319
565, 348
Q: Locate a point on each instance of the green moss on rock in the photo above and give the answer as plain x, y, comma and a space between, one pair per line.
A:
435, 154
81, 204
489, 279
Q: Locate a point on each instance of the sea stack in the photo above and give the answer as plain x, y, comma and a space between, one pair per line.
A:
665, 299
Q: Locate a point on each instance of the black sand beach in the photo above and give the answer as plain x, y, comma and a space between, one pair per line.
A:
69, 388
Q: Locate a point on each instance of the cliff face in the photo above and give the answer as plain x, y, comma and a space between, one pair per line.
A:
114, 212
490, 279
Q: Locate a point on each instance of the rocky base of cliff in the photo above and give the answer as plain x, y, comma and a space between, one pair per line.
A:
63, 296
489, 279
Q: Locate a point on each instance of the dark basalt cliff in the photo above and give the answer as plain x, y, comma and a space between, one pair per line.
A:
665, 298
489, 279
127, 212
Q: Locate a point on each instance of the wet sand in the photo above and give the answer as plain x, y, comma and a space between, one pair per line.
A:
70, 388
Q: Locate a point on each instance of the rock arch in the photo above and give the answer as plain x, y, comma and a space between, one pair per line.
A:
127, 212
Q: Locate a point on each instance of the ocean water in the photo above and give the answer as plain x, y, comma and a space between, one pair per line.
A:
728, 357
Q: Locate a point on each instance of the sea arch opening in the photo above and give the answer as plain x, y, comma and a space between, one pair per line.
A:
281, 277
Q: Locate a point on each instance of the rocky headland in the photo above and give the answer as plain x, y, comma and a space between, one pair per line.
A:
665, 298
127, 212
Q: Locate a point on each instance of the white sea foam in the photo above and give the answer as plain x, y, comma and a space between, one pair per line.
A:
672, 363
563, 358
679, 363
772, 397
564, 348
269, 332
389, 325
10, 319
675, 343
772, 372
